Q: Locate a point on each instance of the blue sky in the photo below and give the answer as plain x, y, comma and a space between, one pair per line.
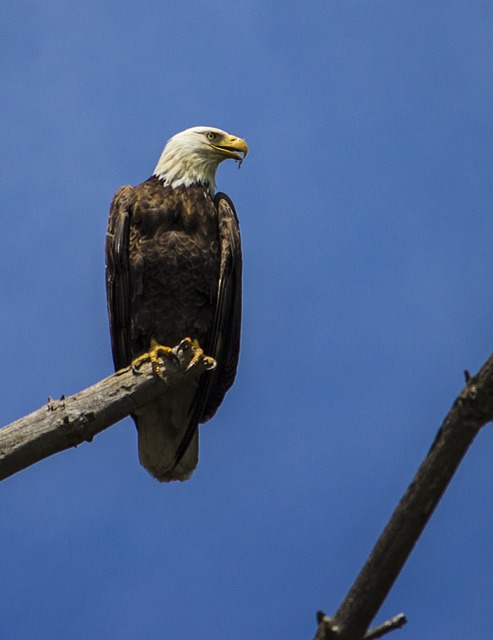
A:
365, 208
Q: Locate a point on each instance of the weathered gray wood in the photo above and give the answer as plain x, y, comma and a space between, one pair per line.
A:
65, 423
70, 421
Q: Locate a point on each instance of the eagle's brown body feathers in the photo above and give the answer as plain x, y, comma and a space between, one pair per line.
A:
174, 271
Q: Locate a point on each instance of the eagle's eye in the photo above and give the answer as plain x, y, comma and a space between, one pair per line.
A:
211, 135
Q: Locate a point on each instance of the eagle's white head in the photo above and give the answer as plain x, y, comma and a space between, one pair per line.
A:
192, 156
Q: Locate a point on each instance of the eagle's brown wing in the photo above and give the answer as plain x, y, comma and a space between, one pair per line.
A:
224, 344
117, 277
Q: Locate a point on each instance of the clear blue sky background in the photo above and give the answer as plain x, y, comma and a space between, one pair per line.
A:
365, 208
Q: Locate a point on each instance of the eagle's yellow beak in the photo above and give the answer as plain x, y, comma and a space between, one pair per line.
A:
232, 146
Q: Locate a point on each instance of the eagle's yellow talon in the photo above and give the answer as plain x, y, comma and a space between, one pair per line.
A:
210, 363
152, 356
197, 356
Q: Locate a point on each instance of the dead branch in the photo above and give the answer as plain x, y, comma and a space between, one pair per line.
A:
65, 423
70, 421
472, 409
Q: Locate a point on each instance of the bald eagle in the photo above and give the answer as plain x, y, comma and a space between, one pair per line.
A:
173, 270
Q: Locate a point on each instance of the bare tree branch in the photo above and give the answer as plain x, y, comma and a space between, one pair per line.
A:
472, 409
67, 422
327, 627
396, 622
70, 421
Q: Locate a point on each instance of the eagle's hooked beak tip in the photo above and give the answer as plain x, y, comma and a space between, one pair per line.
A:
242, 147
233, 147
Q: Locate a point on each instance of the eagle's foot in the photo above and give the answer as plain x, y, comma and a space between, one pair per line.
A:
154, 356
198, 358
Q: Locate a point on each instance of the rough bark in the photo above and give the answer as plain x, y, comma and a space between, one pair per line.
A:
65, 423
70, 421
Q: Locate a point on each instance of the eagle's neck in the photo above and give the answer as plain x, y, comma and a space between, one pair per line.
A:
184, 166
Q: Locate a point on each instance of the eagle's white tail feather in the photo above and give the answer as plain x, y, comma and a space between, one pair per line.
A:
161, 426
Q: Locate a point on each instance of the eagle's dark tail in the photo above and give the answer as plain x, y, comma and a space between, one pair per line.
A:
161, 426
